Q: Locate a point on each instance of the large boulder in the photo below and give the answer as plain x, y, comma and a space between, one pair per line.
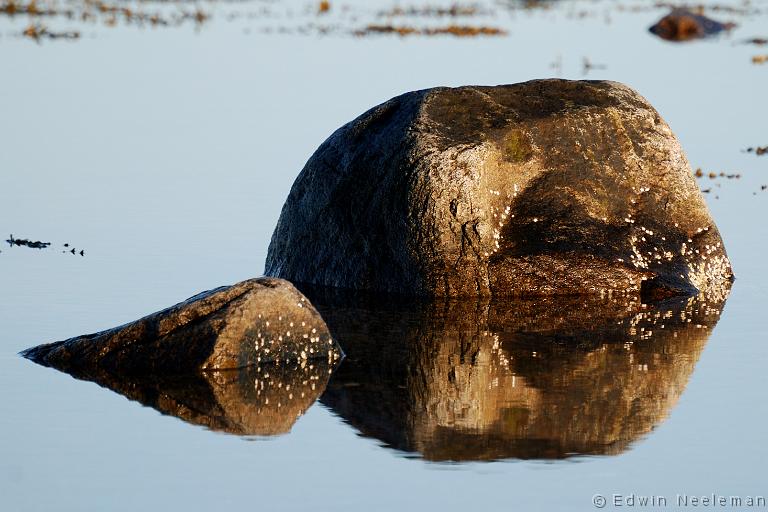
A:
540, 188
255, 322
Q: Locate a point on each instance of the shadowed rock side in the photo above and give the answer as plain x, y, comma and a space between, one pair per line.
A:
250, 323
540, 188
684, 25
480, 380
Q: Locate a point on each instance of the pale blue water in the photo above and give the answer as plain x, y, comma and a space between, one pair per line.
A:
167, 153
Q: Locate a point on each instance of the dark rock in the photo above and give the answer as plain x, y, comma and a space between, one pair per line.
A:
684, 25
254, 322
540, 188
488, 379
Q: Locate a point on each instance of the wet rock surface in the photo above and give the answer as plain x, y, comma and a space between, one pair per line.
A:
457, 380
684, 25
549, 187
255, 322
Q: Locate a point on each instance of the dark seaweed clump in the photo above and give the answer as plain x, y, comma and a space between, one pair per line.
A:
23, 242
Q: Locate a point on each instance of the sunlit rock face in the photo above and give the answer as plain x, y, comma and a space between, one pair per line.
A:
254, 322
541, 188
483, 380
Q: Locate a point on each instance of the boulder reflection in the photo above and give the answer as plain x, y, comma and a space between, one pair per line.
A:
545, 378
252, 401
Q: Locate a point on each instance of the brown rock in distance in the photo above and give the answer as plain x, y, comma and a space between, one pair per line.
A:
684, 25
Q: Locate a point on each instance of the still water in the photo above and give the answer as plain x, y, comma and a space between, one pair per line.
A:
165, 155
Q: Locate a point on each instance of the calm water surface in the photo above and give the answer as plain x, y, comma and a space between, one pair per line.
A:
166, 155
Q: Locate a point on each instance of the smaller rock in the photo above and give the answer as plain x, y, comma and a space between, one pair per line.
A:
254, 322
684, 25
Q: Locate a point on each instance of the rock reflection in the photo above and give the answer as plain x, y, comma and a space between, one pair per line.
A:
254, 401
546, 378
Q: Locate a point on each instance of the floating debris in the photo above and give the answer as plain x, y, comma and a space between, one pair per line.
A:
758, 150
713, 175
93, 11
172, 13
757, 41
12, 8
38, 31
453, 30
760, 59
588, 65
23, 242
454, 11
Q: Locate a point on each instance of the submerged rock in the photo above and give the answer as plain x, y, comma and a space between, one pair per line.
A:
540, 188
254, 322
684, 25
480, 379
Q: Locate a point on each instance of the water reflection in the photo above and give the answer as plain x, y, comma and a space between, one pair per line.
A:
463, 380
549, 378
255, 401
